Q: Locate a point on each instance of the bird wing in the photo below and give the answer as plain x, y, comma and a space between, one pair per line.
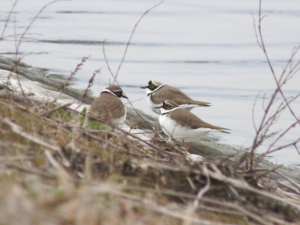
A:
188, 119
171, 93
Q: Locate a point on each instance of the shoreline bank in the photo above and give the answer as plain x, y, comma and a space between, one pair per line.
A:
51, 162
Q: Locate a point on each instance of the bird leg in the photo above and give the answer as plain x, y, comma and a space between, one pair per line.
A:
188, 146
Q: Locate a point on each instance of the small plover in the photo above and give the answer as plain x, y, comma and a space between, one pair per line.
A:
108, 106
157, 93
183, 125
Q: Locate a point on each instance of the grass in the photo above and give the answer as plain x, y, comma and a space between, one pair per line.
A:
56, 170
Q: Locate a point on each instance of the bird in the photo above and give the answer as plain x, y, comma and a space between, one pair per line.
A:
181, 124
158, 92
108, 106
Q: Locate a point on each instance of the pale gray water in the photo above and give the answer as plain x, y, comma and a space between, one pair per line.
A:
206, 48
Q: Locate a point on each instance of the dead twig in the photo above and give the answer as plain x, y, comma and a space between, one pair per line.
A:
27, 170
91, 80
38, 140
127, 45
267, 121
77, 68
55, 109
7, 19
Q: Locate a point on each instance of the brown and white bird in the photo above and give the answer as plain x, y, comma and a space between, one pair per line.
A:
108, 105
184, 125
157, 93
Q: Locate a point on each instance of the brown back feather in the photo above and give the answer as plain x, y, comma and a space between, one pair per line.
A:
107, 107
176, 95
188, 119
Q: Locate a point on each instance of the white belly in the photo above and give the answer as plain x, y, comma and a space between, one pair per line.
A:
152, 105
121, 119
176, 131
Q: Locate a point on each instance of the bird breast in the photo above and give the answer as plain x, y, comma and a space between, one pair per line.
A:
177, 131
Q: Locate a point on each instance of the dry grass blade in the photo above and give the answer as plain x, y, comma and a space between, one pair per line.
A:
27, 170
206, 187
55, 109
91, 80
62, 174
38, 140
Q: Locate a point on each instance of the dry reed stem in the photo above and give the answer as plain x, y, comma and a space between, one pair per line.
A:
77, 68
131, 35
262, 132
90, 84
7, 19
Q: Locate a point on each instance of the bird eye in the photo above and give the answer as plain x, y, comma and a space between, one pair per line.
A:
118, 93
166, 106
151, 86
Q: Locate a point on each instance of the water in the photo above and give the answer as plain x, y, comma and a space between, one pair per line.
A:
206, 48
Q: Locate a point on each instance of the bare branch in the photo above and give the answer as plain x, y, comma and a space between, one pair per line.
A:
7, 19
103, 46
253, 114
267, 121
78, 67
270, 64
132, 35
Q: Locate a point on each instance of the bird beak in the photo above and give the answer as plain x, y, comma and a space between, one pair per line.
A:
144, 87
158, 107
124, 96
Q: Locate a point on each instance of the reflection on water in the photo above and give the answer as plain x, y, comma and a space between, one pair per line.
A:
206, 48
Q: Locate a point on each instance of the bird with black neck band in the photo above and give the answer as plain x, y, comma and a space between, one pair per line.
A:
183, 125
108, 106
157, 93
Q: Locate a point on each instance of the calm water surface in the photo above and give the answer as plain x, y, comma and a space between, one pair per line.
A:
206, 48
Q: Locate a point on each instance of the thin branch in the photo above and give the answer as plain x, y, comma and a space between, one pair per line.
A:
267, 122
283, 146
91, 80
255, 31
55, 109
295, 145
77, 68
103, 49
205, 188
90, 84
253, 114
7, 20
38, 140
269, 171
132, 35
270, 65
